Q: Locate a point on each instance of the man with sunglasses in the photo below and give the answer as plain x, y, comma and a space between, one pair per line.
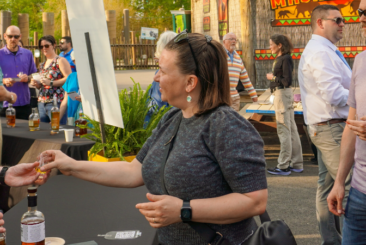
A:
324, 78
353, 155
66, 48
237, 71
17, 64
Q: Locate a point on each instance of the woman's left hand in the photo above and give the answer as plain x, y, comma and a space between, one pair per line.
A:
162, 210
358, 127
269, 76
45, 82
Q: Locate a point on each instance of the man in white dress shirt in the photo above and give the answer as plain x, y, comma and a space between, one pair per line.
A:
324, 78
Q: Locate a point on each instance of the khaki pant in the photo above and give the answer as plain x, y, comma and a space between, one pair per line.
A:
235, 103
328, 141
291, 151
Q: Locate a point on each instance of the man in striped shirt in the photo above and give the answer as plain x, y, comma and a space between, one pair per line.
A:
237, 72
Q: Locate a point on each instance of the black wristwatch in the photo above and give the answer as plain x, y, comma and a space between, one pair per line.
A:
186, 212
2, 176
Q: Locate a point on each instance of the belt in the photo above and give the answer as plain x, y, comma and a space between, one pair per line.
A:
332, 121
282, 87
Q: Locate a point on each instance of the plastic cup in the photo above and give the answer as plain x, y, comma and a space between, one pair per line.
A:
36, 77
69, 135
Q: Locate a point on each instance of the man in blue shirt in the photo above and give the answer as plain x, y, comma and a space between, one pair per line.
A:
66, 48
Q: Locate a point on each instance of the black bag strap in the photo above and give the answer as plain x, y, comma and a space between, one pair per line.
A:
207, 234
167, 147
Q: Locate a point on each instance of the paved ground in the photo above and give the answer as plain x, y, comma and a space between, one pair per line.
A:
144, 77
292, 198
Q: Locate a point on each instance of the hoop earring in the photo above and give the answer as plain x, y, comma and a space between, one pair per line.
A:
189, 98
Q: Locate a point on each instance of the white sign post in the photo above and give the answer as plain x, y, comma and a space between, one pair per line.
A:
149, 33
88, 16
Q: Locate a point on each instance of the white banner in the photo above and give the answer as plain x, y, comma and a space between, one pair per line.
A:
89, 16
149, 33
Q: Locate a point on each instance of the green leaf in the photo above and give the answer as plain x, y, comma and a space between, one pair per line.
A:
134, 106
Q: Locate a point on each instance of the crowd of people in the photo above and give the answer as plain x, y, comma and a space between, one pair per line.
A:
17, 66
207, 177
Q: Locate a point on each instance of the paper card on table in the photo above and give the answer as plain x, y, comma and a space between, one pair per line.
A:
85, 243
73, 95
16, 79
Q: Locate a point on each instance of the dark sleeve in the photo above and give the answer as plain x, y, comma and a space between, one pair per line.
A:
287, 67
238, 149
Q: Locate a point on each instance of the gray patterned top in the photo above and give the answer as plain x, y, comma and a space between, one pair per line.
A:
213, 155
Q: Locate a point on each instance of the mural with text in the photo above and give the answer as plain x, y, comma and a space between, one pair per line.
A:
298, 12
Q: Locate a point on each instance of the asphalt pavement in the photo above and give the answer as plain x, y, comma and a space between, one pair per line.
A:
292, 198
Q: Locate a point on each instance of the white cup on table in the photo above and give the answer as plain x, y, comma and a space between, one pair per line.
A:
69, 135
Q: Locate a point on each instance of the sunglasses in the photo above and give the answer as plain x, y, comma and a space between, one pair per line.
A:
183, 36
44, 46
11, 36
361, 12
337, 20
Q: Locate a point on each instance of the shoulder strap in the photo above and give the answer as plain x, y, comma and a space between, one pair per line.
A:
207, 234
167, 147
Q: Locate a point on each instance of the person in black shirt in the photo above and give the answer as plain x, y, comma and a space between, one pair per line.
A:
290, 158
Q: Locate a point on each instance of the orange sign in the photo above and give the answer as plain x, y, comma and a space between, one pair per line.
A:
206, 23
223, 7
298, 12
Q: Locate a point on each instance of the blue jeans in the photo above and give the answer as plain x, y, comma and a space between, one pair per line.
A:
45, 113
354, 226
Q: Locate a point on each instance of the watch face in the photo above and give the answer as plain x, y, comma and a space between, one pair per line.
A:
186, 214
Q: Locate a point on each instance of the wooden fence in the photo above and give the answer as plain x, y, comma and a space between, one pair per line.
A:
126, 56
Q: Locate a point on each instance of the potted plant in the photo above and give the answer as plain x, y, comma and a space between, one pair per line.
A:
125, 143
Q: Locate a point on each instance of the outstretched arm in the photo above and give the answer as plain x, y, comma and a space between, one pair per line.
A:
114, 174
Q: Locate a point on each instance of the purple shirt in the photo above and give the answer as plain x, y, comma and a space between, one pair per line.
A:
13, 64
357, 100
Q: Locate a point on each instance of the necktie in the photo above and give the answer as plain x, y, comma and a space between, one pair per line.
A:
340, 55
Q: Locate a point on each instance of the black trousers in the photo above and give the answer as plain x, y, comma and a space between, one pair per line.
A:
22, 112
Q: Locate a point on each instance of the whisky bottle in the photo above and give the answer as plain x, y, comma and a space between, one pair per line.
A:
33, 222
78, 122
2, 239
10, 116
34, 120
81, 121
84, 123
55, 116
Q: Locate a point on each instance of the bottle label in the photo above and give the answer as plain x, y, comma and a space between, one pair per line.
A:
31, 233
31, 123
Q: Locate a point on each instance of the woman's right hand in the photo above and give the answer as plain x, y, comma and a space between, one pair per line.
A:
57, 159
34, 83
2, 229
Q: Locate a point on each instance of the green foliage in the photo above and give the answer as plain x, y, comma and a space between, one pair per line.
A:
155, 13
143, 13
32, 7
128, 140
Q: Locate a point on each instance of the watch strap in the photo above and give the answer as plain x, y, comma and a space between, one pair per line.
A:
2, 176
51, 83
186, 204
